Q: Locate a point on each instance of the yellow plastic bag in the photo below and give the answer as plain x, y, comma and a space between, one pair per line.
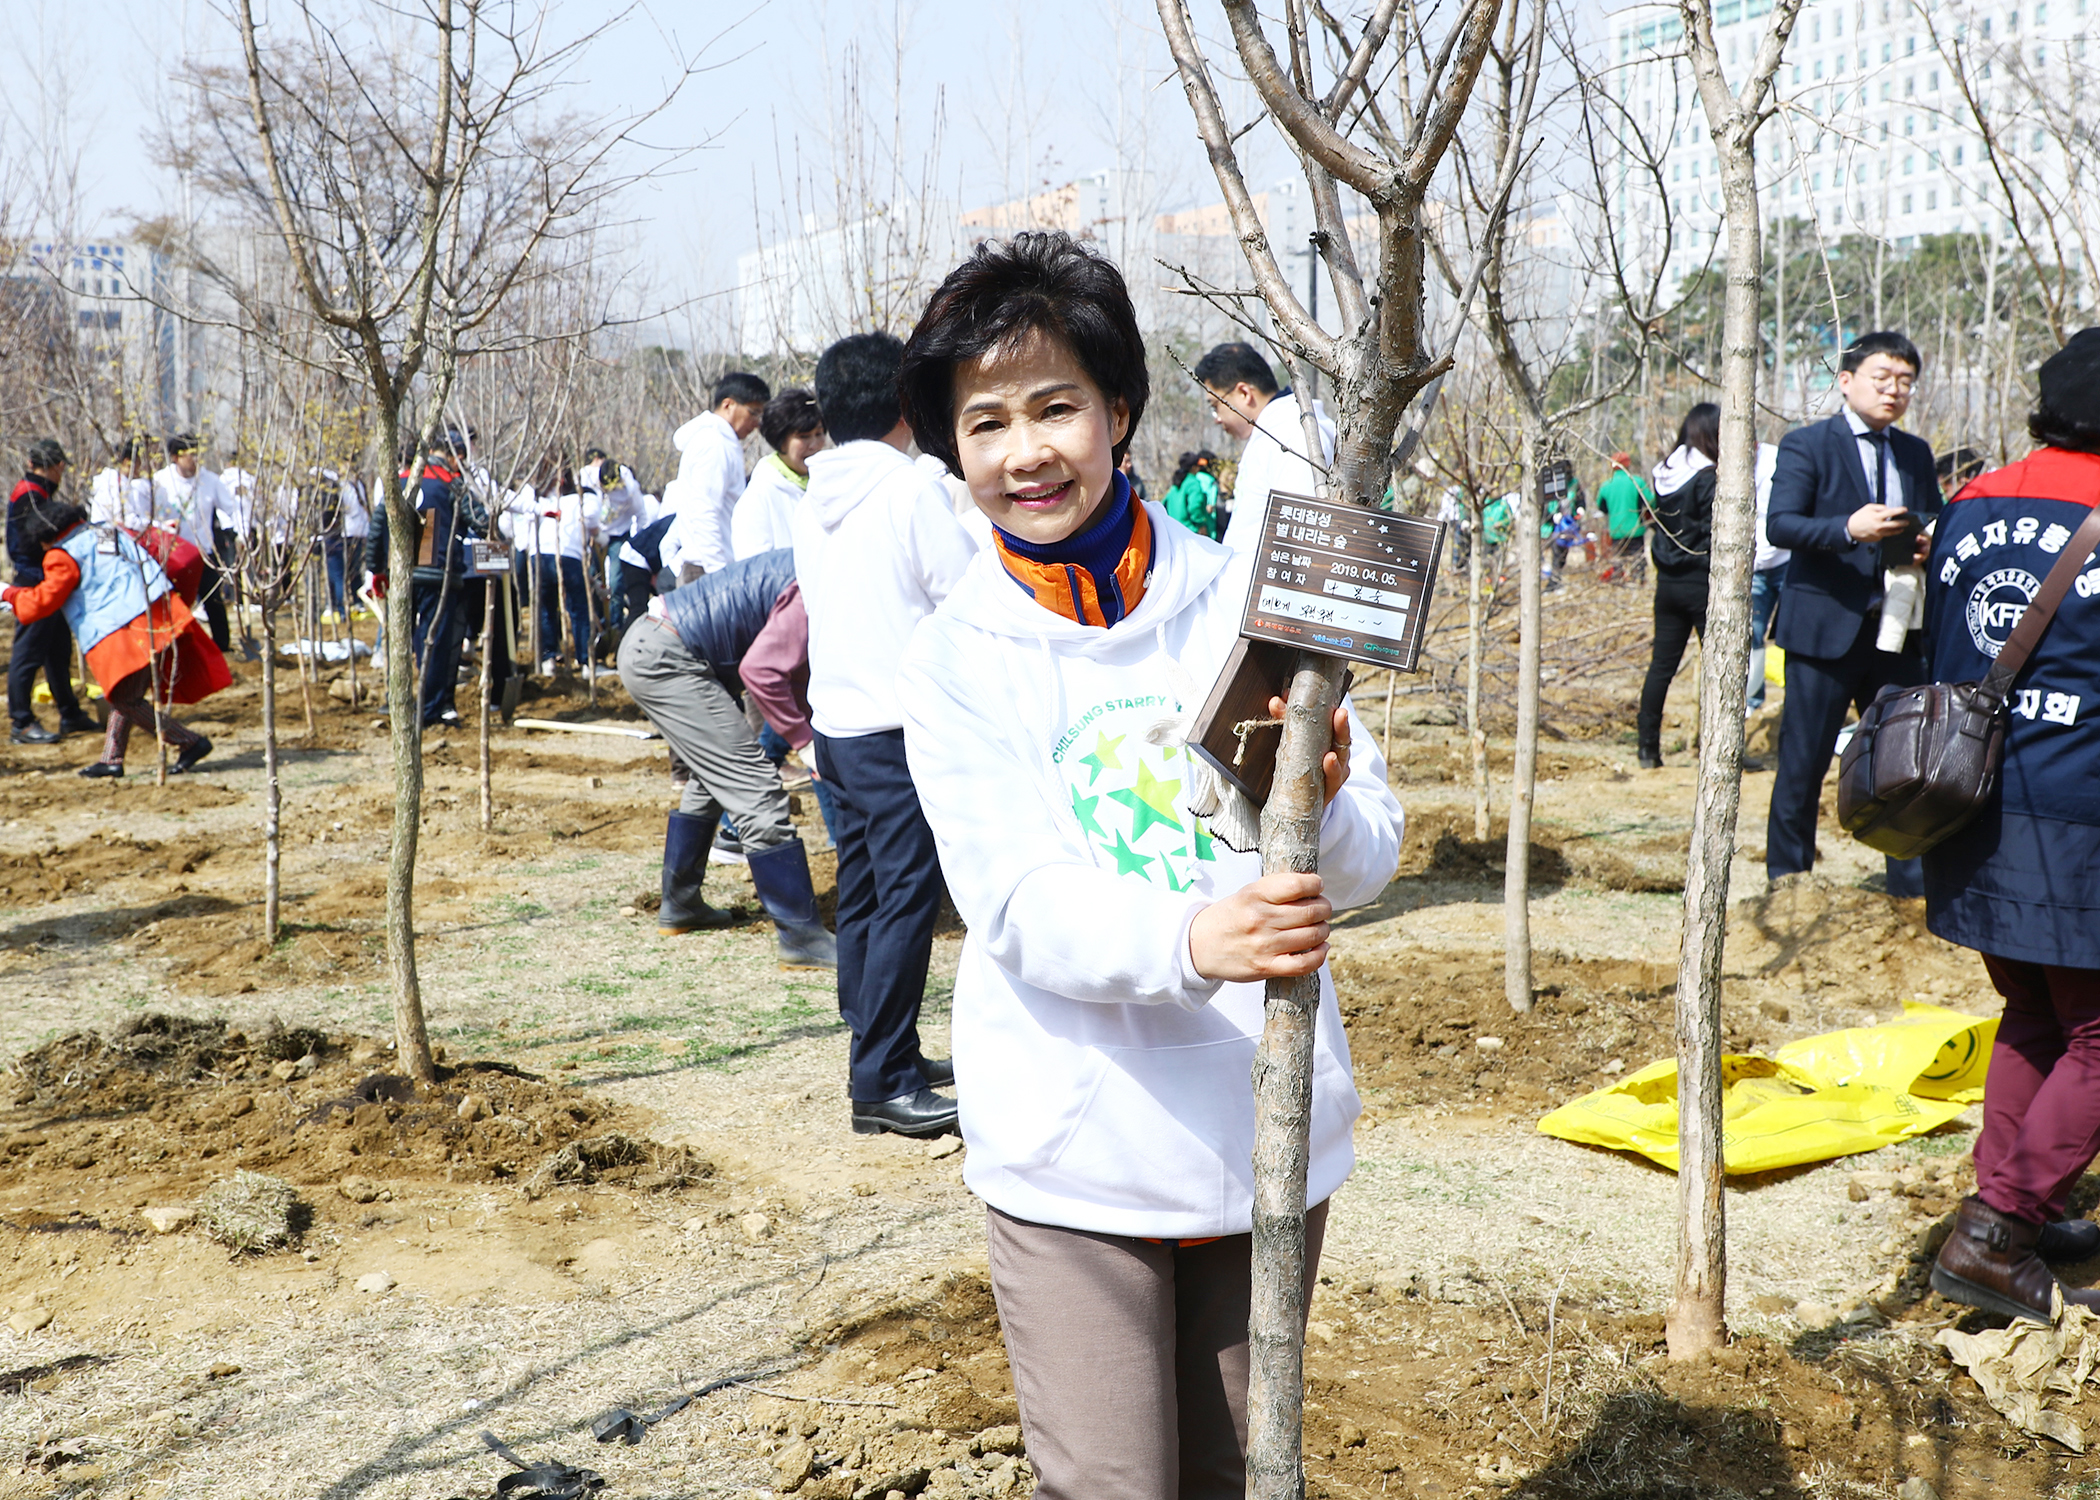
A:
1775, 665
41, 693
1821, 1097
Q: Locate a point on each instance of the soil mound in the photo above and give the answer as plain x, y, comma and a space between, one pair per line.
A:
1439, 846
1441, 1032
181, 1102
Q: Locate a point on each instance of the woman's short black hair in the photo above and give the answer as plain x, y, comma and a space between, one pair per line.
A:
2059, 431
1040, 281
857, 387
1701, 430
45, 521
791, 412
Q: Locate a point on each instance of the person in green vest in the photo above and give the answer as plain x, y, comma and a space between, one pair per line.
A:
1625, 499
1497, 521
1192, 499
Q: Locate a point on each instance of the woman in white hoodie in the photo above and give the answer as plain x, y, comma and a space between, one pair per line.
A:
1109, 997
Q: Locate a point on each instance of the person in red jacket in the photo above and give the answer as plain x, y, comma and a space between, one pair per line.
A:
136, 632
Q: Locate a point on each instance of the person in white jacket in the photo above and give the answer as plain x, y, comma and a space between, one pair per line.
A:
1245, 402
711, 475
194, 503
765, 514
123, 492
876, 549
619, 509
1109, 997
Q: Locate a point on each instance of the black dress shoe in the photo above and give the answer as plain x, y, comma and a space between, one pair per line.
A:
187, 761
2068, 1241
1651, 760
939, 1073
78, 724
924, 1113
33, 733
96, 770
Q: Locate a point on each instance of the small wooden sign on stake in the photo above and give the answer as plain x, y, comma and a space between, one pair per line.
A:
1328, 577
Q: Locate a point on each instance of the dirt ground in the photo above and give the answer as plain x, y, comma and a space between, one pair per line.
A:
636, 1183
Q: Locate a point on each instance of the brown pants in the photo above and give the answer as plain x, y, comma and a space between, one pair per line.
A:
131, 706
1130, 1358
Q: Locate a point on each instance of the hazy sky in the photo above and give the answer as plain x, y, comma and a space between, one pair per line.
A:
987, 101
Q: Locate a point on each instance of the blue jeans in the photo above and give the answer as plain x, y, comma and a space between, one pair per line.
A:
1764, 598
569, 588
889, 895
332, 560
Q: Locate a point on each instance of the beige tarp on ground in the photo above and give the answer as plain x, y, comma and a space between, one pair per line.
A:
2020, 1368
1820, 1097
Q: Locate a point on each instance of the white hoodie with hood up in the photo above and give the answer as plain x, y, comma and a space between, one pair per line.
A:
876, 548
1104, 1084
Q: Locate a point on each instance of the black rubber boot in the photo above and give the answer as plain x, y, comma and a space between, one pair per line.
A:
781, 876
686, 842
2068, 1241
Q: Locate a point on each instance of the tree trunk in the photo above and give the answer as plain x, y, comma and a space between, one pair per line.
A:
490, 587
1696, 1319
1283, 1070
1516, 869
1476, 638
538, 647
1392, 691
1779, 338
411, 1034
273, 804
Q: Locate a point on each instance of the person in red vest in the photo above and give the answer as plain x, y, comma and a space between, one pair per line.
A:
43, 646
141, 642
2016, 883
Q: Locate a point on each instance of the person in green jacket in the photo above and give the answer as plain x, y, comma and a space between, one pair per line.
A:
1192, 499
1625, 499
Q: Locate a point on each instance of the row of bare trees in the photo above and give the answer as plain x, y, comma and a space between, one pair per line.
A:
410, 224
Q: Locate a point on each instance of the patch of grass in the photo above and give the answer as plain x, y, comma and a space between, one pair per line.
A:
591, 985
1949, 1140
249, 1212
565, 867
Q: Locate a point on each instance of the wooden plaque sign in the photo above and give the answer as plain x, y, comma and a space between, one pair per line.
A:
1343, 581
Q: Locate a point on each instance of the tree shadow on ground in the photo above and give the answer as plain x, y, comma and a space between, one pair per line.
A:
1646, 1446
1460, 871
92, 926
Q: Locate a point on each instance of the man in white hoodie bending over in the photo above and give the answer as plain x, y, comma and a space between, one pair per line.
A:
877, 548
711, 475
1246, 403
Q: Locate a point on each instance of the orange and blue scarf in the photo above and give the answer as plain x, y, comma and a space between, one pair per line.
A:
1093, 578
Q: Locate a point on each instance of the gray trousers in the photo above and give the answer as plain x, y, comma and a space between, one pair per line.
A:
1130, 1357
691, 709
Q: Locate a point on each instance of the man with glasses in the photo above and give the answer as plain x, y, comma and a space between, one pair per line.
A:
1851, 496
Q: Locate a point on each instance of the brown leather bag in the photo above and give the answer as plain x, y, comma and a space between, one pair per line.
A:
1924, 760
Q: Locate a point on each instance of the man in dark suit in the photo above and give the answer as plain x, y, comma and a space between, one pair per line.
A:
1848, 496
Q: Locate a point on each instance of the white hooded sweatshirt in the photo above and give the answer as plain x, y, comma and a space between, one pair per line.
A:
710, 478
765, 513
1104, 1083
876, 549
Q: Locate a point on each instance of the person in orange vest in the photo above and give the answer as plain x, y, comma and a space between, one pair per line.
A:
141, 642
